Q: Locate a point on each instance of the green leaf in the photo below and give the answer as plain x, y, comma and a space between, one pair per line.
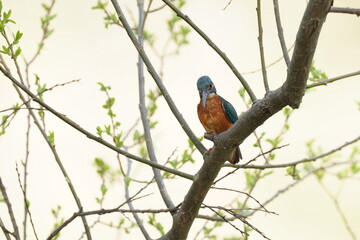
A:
17, 52
355, 168
108, 129
51, 138
109, 103
99, 131
242, 92
6, 50
17, 37
46, 7
100, 5
287, 111
320, 174
127, 180
293, 172
103, 189
48, 32
118, 141
250, 179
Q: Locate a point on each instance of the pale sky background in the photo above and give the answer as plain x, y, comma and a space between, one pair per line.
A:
81, 48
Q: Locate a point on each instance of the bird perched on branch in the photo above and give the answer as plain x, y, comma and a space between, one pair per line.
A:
215, 113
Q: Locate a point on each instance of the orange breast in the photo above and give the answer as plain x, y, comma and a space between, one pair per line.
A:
212, 116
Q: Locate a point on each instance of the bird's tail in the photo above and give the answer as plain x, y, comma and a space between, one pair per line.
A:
236, 156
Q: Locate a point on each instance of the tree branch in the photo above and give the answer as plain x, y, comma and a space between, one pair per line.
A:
143, 112
261, 47
15, 234
330, 80
289, 94
355, 11
5, 231
131, 206
90, 135
215, 47
281, 33
305, 45
157, 79
290, 164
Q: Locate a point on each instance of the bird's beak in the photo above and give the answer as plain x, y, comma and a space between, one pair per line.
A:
204, 95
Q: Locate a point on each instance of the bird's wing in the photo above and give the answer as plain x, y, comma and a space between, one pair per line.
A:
229, 110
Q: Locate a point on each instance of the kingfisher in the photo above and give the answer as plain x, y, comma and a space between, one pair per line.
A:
215, 113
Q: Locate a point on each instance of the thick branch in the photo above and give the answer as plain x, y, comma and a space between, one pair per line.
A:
263, 109
305, 45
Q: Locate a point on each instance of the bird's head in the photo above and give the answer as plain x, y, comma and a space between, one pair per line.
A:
205, 87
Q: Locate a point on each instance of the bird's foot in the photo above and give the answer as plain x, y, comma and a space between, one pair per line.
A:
208, 151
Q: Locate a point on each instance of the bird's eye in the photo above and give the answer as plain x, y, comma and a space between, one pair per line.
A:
211, 86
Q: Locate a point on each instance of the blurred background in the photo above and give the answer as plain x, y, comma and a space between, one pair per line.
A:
82, 48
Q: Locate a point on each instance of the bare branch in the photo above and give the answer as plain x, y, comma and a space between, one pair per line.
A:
261, 47
339, 210
307, 37
157, 79
305, 160
26, 205
355, 11
330, 80
7, 201
143, 112
215, 47
90, 135
281, 33
131, 206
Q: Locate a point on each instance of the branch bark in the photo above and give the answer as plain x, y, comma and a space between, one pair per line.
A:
290, 94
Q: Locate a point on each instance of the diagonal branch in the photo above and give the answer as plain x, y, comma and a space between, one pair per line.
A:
281, 33
15, 234
289, 94
157, 79
90, 135
330, 80
215, 47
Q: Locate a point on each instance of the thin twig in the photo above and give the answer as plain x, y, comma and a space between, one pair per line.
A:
281, 33
339, 210
304, 160
330, 80
355, 11
144, 116
5, 231
106, 211
7, 201
130, 204
271, 64
261, 47
215, 47
225, 220
26, 204
43, 37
